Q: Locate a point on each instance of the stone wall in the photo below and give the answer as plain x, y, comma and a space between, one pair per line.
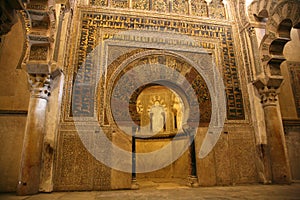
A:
14, 96
11, 141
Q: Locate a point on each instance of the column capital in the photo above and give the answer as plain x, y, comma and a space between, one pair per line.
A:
40, 85
269, 96
251, 31
268, 88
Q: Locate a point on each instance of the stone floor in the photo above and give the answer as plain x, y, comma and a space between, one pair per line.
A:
158, 190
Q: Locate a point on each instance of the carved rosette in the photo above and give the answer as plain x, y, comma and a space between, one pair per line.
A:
39, 85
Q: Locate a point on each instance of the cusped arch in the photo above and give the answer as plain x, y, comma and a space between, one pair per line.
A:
133, 104
278, 27
260, 10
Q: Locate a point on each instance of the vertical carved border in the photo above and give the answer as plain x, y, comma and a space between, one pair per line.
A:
294, 72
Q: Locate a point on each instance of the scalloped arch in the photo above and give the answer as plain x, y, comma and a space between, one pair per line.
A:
261, 9
281, 19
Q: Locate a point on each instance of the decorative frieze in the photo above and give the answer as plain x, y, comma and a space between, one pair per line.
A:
36, 6
199, 8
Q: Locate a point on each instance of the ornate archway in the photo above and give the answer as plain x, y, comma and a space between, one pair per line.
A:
126, 81
278, 18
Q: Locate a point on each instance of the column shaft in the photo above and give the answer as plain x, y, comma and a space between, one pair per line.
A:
280, 170
29, 177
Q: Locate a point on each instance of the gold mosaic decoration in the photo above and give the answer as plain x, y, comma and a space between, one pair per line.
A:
92, 23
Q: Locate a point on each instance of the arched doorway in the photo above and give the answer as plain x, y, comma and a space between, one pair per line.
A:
161, 112
159, 94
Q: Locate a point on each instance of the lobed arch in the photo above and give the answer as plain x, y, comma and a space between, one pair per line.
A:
133, 106
278, 19
258, 10
282, 19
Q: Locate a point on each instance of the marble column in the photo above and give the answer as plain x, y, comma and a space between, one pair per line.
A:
193, 173
275, 152
29, 175
193, 178
134, 184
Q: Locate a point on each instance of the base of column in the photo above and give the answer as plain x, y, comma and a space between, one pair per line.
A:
193, 181
134, 185
23, 189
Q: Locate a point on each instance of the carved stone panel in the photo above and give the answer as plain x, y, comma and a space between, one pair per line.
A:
216, 9
38, 53
294, 69
120, 3
160, 5
76, 168
98, 2
180, 6
140, 4
199, 8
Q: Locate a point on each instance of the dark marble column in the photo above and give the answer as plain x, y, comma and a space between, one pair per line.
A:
134, 184
193, 178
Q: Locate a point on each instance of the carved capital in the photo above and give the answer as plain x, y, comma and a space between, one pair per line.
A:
269, 96
268, 88
39, 85
251, 31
